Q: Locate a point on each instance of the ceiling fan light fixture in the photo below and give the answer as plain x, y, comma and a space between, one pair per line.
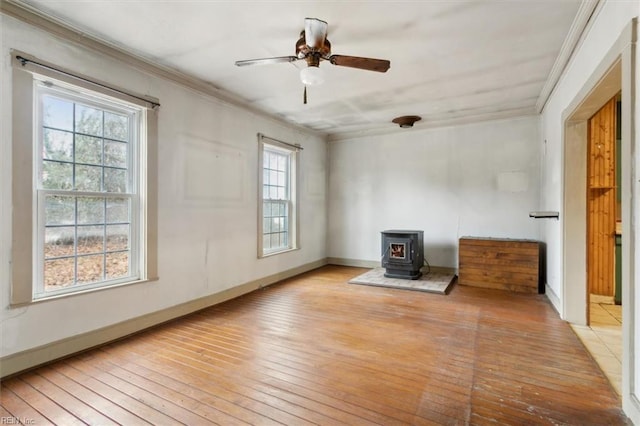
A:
406, 121
312, 76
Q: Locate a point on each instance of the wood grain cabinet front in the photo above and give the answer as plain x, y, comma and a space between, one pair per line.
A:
505, 264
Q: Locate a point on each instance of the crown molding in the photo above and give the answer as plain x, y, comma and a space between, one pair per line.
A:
573, 39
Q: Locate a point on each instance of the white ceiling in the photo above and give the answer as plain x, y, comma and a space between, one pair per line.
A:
451, 61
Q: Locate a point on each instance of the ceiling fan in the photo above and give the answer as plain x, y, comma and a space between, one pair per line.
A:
313, 46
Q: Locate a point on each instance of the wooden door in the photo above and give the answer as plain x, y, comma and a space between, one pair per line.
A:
601, 200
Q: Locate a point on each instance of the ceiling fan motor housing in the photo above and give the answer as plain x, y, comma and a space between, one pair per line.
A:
312, 55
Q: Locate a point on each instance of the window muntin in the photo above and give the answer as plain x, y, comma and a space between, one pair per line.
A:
86, 192
278, 199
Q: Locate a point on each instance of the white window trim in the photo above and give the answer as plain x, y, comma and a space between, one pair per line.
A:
265, 142
24, 246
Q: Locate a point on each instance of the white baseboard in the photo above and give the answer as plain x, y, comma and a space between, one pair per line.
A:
553, 298
353, 262
30, 358
376, 264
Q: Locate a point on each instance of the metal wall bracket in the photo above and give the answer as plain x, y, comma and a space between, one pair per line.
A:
545, 215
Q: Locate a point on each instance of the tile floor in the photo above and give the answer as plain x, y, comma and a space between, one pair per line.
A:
604, 338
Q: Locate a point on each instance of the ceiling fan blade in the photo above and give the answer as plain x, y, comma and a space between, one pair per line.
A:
266, 61
315, 31
378, 65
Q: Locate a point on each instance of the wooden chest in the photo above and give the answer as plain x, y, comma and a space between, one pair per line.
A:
504, 264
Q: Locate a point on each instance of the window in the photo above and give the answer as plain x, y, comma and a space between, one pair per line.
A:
90, 222
278, 207
87, 190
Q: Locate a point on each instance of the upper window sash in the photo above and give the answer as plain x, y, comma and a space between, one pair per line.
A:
135, 119
286, 184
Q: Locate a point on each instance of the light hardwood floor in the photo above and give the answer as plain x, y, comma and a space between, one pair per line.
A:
317, 350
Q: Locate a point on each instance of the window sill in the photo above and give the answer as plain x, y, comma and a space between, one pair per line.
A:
81, 292
274, 253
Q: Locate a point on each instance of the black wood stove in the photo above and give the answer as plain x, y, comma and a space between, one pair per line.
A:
402, 253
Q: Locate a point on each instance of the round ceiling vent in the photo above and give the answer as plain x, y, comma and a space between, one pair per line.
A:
406, 121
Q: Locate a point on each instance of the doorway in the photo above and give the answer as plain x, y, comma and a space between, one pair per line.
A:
604, 225
603, 204
591, 201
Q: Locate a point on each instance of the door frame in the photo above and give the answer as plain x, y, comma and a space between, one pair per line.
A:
617, 72
575, 289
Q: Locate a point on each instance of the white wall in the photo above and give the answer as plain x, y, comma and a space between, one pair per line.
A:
470, 180
207, 199
605, 41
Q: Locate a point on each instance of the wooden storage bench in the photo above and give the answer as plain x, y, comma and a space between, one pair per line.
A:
504, 264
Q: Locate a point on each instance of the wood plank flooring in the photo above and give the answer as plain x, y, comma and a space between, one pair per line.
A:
316, 350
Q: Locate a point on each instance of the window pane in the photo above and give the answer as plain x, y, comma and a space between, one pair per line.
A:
117, 237
117, 265
273, 193
57, 113
88, 150
282, 163
88, 120
58, 273
57, 175
117, 210
275, 241
115, 180
88, 178
115, 154
90, 239
273, 177
281, 194
90, 269
116, 126
58, 241
57, 145
266, 228
59, 210
90, 210
281, 179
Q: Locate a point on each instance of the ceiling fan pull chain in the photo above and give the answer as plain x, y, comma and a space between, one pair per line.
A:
304, 97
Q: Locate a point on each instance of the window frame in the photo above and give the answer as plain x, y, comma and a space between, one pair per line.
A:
265, 145
26, 140
44, 87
